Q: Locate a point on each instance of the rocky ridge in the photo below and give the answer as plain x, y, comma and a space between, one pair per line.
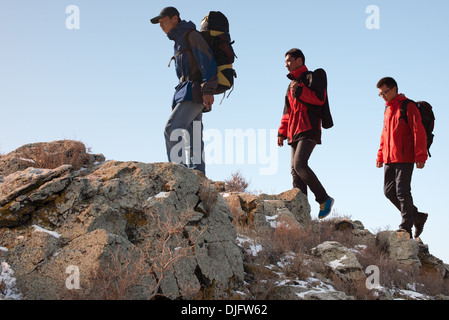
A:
74, 226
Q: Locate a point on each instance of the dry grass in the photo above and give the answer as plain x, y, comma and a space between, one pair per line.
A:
209, 196
296, 241
356, 289
51, 156
117, 279
432, 284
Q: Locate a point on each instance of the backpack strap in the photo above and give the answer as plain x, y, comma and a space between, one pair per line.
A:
195, 73
187, 47
404, 110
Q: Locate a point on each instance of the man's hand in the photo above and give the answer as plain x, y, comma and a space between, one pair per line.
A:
379, 164
420, 165
280, 141
208, 101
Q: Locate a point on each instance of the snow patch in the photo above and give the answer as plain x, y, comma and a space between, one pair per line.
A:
8, 283
253, 248
337, 263
272, 220
52, 233
160, 195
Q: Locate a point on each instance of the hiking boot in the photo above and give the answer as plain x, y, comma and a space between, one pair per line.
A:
419, 225
326, 208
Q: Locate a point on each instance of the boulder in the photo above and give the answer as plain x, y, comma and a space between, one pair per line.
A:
49, 155
265, 211
430, 263
399, 247
340, 261
176, 234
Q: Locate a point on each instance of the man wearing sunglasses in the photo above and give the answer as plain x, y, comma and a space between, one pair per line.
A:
403, 144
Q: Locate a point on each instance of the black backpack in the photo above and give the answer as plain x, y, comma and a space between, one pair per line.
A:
327, 121
215, 30
318, 79
428, 119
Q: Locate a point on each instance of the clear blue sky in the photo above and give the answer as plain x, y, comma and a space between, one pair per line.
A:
108, 85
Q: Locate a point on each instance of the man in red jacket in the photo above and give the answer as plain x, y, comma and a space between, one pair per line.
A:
403, 143
301, 125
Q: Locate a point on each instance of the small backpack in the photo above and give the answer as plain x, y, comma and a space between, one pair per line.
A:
427, 116
215, 30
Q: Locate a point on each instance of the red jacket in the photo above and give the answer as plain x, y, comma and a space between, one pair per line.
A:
401, 142
301, 118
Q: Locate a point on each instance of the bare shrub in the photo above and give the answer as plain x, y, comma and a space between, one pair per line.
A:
432, 284
315, 233
149, 264
118, 279
174, 242
357, 289
263, 283
237, 183
288, 235
301, 266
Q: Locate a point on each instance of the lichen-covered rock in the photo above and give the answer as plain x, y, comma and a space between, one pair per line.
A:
399, 247
153, 210
266, 211
340, 261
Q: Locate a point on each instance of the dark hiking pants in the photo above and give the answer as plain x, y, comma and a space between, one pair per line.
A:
397, 188
303, 176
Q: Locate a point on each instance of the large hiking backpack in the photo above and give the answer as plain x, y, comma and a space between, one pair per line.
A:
427, 116
215, 30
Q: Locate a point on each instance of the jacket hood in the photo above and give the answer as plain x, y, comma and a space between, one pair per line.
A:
180, 29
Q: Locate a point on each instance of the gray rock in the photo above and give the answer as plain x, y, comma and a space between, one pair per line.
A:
399, 247
266, 211
144, 209
340, 260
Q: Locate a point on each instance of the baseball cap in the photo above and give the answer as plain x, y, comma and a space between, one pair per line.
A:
166, 12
